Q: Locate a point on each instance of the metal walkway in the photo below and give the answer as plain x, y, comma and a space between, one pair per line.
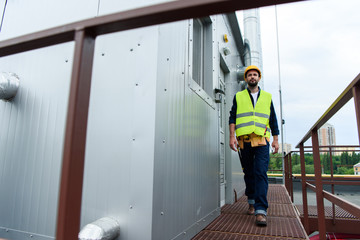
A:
235, 224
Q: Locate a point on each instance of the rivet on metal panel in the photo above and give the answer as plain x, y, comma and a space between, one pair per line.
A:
190, 40
103, 54
165, 89
7, 230
204, 220
31, 236
184, 233
133, 139
136, 84
131, 207
163, 141
138, 44
66, 60
182, 73
131, 50
162, 213
167, 59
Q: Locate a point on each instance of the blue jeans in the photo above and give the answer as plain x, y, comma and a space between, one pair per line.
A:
255, 164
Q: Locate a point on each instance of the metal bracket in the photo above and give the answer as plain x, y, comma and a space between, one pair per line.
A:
218, 95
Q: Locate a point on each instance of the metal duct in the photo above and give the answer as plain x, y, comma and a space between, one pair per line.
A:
9, 85
106, 228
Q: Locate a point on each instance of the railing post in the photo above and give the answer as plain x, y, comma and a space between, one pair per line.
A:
69, 207
303, 188
356, 95
332, 180
319, 185
286, 173
291, 179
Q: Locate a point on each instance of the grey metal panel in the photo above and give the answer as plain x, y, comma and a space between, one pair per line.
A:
111, 6
118, 178
233, 173
186, 177
23, 16
31, 139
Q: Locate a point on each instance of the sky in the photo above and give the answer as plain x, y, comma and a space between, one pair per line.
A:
319, 55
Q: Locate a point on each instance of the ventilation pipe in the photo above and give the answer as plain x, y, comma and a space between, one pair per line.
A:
9, 85
106, 228
252, 36
247, 57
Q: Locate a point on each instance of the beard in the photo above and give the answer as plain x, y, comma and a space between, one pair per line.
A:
252, 84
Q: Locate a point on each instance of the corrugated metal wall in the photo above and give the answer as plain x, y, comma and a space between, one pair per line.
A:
186, 177
31, 141
234, 174
186, 143
118, 178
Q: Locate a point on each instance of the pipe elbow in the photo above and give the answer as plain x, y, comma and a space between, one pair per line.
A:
106, 228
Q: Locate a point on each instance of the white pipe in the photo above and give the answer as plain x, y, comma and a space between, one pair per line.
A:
106, 228
9, 85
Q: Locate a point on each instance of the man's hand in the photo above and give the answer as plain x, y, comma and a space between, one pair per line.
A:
275, 144
233, 143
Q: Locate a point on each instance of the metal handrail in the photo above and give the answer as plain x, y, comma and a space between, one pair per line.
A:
351, 91
330, 180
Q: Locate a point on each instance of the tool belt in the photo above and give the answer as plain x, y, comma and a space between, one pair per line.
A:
252, 138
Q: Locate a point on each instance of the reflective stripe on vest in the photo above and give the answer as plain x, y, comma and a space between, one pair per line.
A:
250, 120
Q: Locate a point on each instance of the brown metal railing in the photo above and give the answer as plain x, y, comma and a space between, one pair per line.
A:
352, 91
84, 34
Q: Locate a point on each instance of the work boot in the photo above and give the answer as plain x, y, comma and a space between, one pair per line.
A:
251, 209
261, 220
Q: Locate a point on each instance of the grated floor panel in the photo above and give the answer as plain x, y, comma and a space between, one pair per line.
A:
339, 212
234, 223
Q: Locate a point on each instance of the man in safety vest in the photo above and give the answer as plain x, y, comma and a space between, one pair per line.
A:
252, 117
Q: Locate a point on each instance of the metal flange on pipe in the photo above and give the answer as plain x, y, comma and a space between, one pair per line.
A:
9, 85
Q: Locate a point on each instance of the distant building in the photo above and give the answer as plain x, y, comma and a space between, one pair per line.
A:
326, 135
287, 148
357, 169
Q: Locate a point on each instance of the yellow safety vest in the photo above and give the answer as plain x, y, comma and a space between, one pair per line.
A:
250, 120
